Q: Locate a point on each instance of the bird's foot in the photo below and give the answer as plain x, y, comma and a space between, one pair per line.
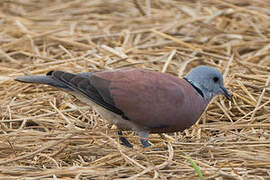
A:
145, 143
124, 140
143, 135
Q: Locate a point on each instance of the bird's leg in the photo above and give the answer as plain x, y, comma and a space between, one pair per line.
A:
124, 141
143, 135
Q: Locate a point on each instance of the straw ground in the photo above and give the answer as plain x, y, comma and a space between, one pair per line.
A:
47, 134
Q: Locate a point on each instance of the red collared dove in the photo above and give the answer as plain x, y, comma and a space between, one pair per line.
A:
140, 100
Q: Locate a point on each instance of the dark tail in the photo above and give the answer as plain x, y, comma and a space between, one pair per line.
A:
41, 80
47, 79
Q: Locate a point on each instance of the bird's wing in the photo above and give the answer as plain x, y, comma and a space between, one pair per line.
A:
97, 91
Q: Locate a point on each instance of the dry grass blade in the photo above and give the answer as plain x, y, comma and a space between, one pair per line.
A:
45, 133
37, 151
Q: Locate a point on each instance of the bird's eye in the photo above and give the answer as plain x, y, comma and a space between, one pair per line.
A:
215, 79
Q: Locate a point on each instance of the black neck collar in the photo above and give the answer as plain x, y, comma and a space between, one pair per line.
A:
196, 88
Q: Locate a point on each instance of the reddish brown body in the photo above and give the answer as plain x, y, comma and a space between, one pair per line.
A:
156, 101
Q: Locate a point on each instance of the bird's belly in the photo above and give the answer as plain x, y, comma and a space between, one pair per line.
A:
112, 118
176, 124
170, 129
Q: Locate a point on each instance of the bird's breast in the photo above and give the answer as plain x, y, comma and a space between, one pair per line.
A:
186, 114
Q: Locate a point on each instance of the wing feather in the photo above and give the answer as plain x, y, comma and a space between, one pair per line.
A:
84, 86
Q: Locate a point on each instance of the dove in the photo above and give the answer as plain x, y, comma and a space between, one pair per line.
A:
141, 100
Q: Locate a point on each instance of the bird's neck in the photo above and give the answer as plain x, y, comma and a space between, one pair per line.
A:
208, 96
203, 92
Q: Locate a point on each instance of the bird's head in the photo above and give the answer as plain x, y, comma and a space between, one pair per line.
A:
209, 80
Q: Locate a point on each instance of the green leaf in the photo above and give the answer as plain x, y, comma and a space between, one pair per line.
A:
196, 167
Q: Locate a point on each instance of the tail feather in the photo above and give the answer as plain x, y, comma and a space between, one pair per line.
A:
41, 80
47, 79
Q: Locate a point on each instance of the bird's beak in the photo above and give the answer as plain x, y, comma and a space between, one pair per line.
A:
226, 93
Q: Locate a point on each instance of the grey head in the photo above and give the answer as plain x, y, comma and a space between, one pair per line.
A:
209, 80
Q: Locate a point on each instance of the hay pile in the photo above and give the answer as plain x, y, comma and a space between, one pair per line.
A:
46, 133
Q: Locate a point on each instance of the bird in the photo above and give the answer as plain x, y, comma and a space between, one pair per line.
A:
141, 100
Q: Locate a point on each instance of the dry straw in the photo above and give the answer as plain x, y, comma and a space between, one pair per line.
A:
47, 134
